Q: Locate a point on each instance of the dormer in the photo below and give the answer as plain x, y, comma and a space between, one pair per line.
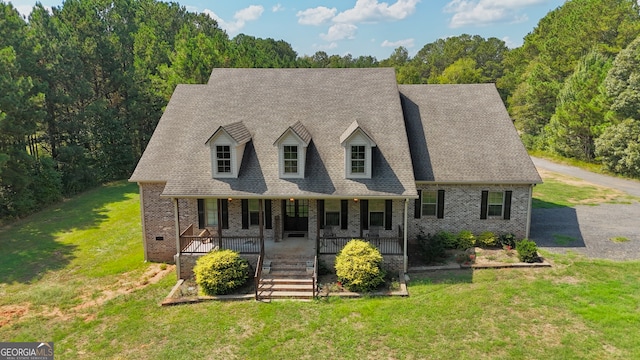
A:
358, 145
292, 151
227, 147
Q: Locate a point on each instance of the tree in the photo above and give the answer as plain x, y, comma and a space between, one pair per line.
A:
619, 148
553, 49
580, 115
462, 71
623, 82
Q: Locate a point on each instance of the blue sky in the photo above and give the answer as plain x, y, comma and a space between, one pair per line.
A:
366, 27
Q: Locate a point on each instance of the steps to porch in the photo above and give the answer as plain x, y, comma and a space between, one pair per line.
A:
286, 279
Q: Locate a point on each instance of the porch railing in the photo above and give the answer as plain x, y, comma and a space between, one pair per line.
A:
205, 242
386, 245
315, 277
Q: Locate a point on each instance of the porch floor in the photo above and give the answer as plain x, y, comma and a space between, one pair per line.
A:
290, 247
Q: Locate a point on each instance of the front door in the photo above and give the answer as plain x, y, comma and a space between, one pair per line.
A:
296, 215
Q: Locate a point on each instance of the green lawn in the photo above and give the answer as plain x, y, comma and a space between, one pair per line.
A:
74, 274
565, 191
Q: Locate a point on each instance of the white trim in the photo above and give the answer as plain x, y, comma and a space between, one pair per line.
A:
358, 138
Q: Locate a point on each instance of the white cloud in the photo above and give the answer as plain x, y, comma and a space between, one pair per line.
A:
329, 46
372, 11
340, 32
510, 43
316, 16
407, 43
241, 17
277, 7
485, 12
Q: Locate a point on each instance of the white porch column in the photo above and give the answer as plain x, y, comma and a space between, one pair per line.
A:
406, 257
176, 214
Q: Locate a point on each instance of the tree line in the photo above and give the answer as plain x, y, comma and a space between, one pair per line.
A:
83, 86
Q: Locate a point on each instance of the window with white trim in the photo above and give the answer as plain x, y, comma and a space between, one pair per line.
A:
429, 203
254, 212
223, 158
376, 213
495, 203
211, 212
358, 159
290, 153
332, 212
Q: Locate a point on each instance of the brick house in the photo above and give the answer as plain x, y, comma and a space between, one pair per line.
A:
270, 161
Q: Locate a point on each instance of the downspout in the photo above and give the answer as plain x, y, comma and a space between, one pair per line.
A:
176, 214
405, 258
144, 230
528, 229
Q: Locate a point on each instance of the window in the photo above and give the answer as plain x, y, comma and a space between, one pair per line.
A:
211, 212
496, 200
254, 212
429, 203
223, 158
332, 212
358, 159
376, 213
290, 159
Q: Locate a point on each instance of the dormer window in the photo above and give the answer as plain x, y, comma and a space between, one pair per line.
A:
358, 157
227, 147
223, 159
290, 159
358, 146
292, 151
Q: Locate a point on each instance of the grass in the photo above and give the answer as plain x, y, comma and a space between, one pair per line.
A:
564, 191
75, 259
619, 239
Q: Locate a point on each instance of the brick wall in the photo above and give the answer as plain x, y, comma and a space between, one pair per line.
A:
462, 211
159, 223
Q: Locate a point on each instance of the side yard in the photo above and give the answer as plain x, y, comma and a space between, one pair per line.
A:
74, 274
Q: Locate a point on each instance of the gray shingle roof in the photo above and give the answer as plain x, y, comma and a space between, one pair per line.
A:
324, 101
463, 134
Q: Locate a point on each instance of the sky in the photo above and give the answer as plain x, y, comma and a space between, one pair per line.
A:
366, 27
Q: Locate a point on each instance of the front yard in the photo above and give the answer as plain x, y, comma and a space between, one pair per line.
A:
74, 274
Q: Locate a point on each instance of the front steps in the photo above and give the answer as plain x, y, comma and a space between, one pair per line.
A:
286, 279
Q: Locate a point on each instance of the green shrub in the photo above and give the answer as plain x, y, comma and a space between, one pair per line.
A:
527, 251
221, 271
465, 240
507, 240
431, 247
447, 239
487, 239
358, 266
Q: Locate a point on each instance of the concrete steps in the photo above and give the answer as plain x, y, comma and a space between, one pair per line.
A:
286, 279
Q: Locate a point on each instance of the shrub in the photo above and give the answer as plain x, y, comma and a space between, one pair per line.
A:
431, 247
221, 271
447, 239
358, 266
465, 240
527, 251
507, 240
487, 239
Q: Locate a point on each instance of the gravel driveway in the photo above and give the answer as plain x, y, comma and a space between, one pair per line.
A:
588, 229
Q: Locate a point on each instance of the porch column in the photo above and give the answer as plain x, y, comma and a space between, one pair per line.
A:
219, 201
176, 213
405, 257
